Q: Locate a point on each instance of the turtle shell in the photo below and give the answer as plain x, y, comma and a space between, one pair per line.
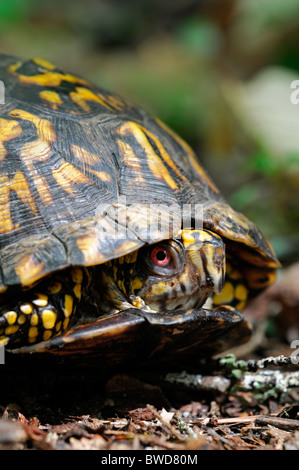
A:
79, 166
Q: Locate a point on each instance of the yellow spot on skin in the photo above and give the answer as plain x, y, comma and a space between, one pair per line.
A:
54, 287
26, 308
22, 319
77, 275
11, 317
4, 340
77, 291
187, 237
41, 301
226, 295
20, 185
47, 335
241, 305
43, 63
131, 258
259, 279
65, 323
241, 292
136, 284
28, 270
58, 326
235, 274
10, 330
48, 319
159, 288
9, 130
34, 319
68, 305
33, 332
229, 268
138, 302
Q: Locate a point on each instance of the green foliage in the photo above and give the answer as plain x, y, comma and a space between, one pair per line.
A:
14, 11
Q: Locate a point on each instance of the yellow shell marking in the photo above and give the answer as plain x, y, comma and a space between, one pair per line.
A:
44, 128
9, 130
83, 95
39, 150
29, 270
46, 79
20, 185
51, 97
191, 156
89, 245
48, 319
131, 160
155, 163
67, 176
43, 63
84, 155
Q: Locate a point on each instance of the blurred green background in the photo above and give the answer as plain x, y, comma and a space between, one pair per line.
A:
218, 72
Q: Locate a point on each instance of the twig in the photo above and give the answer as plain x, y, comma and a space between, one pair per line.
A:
229, 362
165, 424
284, 423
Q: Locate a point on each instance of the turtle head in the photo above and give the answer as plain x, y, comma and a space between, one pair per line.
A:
173, 274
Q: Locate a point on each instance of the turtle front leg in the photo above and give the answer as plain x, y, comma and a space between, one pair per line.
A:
44, 311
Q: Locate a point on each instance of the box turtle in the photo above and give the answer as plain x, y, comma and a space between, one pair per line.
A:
115, 245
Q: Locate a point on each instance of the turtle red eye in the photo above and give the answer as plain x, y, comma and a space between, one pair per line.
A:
160, 256
164, 259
